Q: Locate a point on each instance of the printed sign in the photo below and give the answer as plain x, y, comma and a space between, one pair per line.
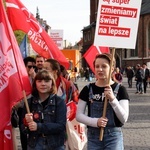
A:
117, 23
57, 37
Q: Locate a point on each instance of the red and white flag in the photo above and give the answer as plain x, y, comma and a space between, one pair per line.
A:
92, 52
21, 19
13, 77
6, 141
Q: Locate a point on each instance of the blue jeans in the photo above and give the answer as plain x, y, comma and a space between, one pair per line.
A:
42, 145
139, 86
112, 139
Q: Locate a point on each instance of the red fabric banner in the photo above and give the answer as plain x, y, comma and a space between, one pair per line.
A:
13, 75
6, 141
92, 52
21, 19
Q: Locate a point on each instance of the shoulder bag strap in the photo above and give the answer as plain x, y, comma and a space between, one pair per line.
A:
116, 89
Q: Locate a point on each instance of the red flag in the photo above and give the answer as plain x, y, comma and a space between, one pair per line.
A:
6, 141
13, 75
92, 52
21, 19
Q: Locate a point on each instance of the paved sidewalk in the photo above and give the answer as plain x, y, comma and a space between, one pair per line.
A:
137, 130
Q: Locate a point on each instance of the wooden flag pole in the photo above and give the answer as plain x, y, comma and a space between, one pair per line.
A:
106, 101
26, 102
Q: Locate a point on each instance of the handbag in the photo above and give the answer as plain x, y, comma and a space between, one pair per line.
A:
71, 110
76, 133
14, 118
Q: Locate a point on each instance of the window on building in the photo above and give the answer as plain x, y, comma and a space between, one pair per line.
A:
134, 52
89, 35
125, 53
96, 5
96, 8
85, 36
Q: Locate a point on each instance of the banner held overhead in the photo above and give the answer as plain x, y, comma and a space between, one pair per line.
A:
117, 23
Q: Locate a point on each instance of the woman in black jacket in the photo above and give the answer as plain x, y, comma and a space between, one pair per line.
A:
46, 124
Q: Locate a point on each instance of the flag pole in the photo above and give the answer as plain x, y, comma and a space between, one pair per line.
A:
106, 101
26, 102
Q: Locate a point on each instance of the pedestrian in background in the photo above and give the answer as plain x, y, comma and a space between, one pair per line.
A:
117, 76
145, 76
139, 79
93, 96
39, 62
81, 72
46, 124
87, 74
130, 75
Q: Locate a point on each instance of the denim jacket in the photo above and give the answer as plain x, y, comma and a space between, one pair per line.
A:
51, 121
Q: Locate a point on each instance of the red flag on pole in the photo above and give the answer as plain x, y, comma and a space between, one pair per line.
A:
21, 19
92, 52
13, 76
6, 141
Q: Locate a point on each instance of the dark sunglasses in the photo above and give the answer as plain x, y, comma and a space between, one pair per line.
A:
31, 67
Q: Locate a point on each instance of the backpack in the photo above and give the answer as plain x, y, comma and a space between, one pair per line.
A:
14, 118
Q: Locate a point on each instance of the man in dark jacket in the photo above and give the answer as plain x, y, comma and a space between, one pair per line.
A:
139, 79
145, 76
130, 75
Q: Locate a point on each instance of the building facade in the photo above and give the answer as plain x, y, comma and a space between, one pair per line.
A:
124, 57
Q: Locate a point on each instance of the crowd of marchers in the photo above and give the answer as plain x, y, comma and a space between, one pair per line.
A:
44, 127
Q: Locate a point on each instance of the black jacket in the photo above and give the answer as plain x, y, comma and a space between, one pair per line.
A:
51, 121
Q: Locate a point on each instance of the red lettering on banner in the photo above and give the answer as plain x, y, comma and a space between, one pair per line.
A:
5, 70
80, 130
103, 30
36, 38
117, 1
109, 20
108, 1
119, 11
114, 31
82, 137
121, 1
121, 32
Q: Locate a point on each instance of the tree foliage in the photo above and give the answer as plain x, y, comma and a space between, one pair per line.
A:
19, 36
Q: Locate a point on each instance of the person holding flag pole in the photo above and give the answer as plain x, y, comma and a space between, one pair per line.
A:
46, 124
108, 107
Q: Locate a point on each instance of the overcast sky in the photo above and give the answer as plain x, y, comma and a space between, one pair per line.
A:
68, 15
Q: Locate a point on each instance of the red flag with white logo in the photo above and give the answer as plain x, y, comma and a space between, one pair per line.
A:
6, 141
92, 52
13, 75
21, 19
